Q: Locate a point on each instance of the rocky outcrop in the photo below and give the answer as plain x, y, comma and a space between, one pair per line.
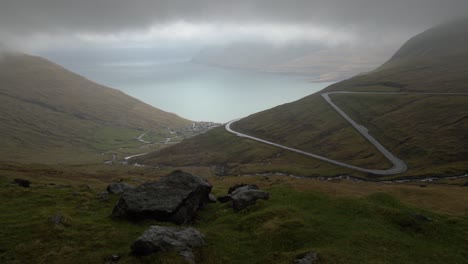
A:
119, 187
168, 239
175, 198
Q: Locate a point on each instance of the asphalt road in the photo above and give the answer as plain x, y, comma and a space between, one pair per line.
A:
399, 166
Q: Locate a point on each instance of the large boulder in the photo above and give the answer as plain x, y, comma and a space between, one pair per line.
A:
119, 187
168, 239
241, 200
175, 198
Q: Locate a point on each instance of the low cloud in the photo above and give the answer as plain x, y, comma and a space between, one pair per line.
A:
104, 17
38, 26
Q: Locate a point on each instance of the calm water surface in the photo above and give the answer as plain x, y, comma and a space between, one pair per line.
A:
202, 93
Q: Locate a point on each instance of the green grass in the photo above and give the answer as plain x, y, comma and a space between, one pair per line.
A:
428, 132
108, 138
374, 229
239, 156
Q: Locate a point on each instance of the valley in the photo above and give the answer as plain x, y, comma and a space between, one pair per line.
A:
416, 125
370, 169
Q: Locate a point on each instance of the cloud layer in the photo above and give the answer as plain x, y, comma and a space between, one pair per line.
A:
38, 25
113, 16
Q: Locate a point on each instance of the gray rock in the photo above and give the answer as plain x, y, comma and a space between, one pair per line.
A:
244, 188
221, 170
175, 198
247, 198
119, 187
212, 198
241, 187
308, 258
168, 239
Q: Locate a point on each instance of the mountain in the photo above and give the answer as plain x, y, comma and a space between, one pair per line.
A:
435, 60
49, 114
427, 131
321, 63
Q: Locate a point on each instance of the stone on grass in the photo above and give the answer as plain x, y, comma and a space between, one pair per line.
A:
168, 239
247, 198
212, 198
241, 187
174, 198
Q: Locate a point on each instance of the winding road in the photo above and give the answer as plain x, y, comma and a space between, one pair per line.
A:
399, 166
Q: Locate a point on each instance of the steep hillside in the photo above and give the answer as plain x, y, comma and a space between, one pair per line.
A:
49, 114
435, 60
427, 131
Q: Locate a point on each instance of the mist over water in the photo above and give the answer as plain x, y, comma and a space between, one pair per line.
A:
201, 93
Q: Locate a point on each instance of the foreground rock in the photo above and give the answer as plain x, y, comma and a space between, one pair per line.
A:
241, 187
308, 258
175, 198
119, 187
168, 239
244, 199
243, 195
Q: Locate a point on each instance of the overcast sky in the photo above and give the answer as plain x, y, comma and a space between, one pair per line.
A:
34, 25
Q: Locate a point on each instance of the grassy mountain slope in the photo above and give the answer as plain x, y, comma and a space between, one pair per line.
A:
428, 131
50, 114
435, 60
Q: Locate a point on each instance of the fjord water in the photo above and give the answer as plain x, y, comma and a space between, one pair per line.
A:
202, 93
